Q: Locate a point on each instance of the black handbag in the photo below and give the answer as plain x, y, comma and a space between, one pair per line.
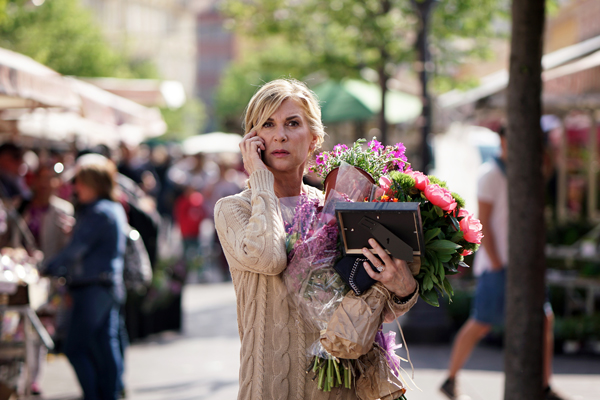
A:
352, 271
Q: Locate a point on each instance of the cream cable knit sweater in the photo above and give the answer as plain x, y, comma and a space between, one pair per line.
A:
274, 340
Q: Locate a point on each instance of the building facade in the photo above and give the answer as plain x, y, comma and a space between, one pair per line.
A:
216, 49
162, 31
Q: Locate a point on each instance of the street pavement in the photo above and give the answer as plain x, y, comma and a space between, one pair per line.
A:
202, 362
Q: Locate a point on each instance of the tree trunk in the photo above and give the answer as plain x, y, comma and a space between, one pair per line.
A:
526, 265
424, 9
383, 127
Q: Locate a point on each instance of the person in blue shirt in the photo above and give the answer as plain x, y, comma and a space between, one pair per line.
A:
92, 265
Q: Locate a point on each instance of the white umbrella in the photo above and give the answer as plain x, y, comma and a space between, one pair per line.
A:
216, 142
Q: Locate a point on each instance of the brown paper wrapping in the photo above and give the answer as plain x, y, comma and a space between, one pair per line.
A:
352, 328
415, 265
376, 380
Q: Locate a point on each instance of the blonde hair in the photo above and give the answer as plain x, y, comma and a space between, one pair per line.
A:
99, 173
271, 95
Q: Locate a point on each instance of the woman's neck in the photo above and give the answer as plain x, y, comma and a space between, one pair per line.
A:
288, 186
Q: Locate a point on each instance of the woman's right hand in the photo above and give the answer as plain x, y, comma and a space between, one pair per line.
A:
251, 146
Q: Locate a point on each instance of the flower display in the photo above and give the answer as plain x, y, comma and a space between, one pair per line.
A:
376, 159
440, 197
470, 226
450, 231
313, 285
421, 180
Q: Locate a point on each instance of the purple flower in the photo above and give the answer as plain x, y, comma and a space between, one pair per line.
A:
340, 148
387, 342
376, 145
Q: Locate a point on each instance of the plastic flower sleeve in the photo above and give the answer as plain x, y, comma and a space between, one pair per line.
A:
314, 287
354, 185
376, 379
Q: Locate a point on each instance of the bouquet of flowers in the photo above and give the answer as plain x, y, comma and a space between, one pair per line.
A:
450, 231
376, 159
317, 291
314, 286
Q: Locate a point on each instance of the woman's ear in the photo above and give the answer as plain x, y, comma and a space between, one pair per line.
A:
313, 144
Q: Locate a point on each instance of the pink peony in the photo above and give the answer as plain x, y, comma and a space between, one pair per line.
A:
470, 226
421, 180
440, 197
385, 183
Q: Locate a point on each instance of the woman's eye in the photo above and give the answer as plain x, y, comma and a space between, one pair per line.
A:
267, 124
294, 123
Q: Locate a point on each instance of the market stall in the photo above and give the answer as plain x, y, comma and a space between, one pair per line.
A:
40, 108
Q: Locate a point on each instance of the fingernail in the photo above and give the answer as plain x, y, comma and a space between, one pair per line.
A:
365, 250
366, 264
371, 241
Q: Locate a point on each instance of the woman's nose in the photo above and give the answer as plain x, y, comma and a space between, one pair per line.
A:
280, 135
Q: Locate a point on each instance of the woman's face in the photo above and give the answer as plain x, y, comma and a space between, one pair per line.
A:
288, 139
85, 194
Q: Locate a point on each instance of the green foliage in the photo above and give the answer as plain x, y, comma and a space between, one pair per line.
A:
375, 159
461, 30
582, 327
185, 121
62, 35
346, 36
444, 240
459, 200
242, 79
436, 181
404, 185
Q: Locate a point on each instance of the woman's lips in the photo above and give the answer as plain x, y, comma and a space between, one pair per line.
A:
280, 153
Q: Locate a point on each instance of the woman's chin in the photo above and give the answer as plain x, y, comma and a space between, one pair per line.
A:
283, 166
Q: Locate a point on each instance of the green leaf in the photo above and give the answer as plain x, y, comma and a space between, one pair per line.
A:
430, 297
438, 211
457, 236
442, 245
455, 223
463, 264
431, 233
448, 287
444, 257
427, 283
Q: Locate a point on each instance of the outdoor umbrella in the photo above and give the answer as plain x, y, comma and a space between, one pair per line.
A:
355, 100
216, 142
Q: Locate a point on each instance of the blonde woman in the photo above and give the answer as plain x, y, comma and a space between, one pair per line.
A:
283, 128
92, 264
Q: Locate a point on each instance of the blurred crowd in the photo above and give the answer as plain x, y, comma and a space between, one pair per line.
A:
168, 196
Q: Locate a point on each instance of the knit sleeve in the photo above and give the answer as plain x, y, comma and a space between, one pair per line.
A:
252, 235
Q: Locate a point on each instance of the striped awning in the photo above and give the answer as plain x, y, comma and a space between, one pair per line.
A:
27, 83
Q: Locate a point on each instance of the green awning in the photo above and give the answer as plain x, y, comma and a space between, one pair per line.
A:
354, 100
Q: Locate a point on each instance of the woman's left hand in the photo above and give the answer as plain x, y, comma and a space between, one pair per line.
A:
394, 273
